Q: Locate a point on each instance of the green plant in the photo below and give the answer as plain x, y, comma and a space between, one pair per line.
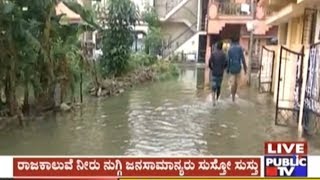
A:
175, 57
140, 59
35, 49
165, 70
153, 40
118, 37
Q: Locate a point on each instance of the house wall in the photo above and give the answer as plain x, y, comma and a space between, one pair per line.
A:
190, 47
187, 13
160, 7
282, 33
292, 36
171, 30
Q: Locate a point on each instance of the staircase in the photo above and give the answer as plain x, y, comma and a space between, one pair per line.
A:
179, 40
172, 6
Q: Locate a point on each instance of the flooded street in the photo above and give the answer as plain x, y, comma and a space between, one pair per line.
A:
165, 118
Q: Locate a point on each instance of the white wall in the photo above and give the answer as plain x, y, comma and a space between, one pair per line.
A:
172, 29
191, 46
188, 12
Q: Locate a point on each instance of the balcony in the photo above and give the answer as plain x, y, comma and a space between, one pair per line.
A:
285, 14
234, 9
237, 12
276, 5
229, 10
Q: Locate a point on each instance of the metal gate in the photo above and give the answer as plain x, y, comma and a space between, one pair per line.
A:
311, 115
266, 70
289, 87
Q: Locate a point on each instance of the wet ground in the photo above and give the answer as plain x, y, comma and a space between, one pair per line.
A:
165, 118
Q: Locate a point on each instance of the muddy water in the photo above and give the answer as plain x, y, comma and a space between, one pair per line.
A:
166, 118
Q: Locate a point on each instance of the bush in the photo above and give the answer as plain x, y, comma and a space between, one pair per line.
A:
165, 70
118, 38
140, 59
176, 57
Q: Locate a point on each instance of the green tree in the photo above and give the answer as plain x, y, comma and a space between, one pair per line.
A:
118, 37
153, 40
35, 49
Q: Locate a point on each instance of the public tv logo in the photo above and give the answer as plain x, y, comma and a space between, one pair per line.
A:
286, 159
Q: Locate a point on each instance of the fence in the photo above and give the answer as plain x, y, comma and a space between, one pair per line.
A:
289, 87
266, 70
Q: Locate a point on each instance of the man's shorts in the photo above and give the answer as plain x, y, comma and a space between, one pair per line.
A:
235, 78
216, 82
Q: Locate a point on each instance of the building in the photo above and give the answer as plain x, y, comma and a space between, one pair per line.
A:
299, 30
182, 23
299, 26
192, 27
88, 38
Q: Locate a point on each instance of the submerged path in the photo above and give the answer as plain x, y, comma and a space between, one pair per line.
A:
165, 118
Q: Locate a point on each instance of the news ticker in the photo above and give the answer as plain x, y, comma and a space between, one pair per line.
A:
170, 178
148, 167
281, 159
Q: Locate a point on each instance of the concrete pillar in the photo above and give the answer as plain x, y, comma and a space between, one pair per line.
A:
199, 15
289, 33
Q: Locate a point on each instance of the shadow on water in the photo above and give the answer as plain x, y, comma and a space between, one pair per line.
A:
165, 118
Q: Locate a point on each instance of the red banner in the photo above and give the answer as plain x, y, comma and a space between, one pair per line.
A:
136, 167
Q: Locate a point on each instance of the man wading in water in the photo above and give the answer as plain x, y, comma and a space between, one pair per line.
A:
217, 64
235, 59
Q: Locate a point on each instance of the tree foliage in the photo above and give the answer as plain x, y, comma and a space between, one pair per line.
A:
38, 51
118, 37
153, 40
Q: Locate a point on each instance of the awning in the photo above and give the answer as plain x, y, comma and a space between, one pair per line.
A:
285, 14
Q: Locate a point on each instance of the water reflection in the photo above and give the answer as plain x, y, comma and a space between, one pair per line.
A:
166, 118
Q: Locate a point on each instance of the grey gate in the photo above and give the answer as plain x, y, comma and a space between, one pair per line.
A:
266, 70
289, 87
311, 115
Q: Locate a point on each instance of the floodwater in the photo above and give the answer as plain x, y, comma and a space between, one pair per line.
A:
165, 118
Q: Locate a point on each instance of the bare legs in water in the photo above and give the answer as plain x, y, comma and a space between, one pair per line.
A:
234, 88
234, 85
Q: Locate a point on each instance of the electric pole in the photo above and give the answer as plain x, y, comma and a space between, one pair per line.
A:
251, 42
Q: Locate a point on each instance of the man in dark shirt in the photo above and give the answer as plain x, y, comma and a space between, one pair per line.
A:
217, 65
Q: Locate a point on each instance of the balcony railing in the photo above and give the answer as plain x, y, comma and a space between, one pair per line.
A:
234, 9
